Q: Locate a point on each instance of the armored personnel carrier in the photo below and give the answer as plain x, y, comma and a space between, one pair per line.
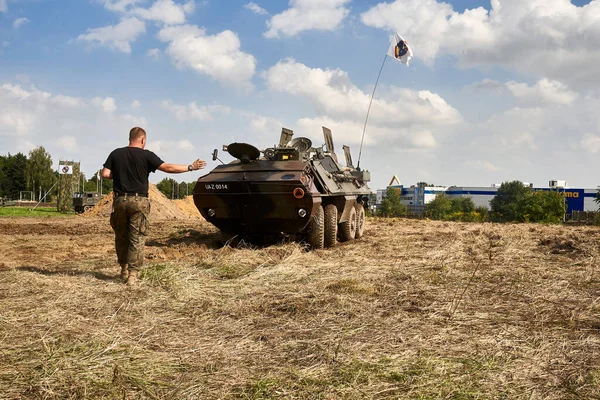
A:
291, 189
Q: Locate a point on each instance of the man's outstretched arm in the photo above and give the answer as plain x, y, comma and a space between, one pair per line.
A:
179, 168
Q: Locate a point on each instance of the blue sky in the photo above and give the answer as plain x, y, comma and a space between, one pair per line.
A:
497, 90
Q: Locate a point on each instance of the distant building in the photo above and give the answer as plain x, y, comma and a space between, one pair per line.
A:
577, 199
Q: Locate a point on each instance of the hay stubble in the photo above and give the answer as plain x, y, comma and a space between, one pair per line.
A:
415, 309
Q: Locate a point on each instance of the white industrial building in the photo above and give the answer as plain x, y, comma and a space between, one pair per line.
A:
577, 199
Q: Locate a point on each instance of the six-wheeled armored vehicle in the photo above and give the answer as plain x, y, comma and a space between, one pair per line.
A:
291, 189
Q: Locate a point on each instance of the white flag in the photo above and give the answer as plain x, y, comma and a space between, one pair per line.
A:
64, 169
400, 50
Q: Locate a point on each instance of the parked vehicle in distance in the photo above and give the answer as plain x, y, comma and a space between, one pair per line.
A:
83, 201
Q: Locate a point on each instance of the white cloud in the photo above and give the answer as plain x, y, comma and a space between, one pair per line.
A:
118, 36
399, 116
107, 104
304, 15
154, 53
15, 121
591, 143
68, 101
68, 143
19, 21
218, 56
255, 8
333, 94
16, 91
544, 91
185, 145
482, 165
170, 146
135, 104
488, 84
553, 39
133, 120
3, 6
192, 111
120, 5
165, 11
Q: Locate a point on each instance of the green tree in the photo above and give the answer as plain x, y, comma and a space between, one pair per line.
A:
39, 173
166, 187
506, 205
462, 205
12, 175
186, 189
542, 206
440, 207
391, 205
92, 184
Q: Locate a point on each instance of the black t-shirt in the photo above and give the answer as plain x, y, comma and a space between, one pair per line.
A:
130, 168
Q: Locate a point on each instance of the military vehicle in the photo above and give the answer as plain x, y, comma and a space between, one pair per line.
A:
292, 189
85, 200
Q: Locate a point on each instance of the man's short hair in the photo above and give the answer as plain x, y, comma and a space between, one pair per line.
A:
136, 133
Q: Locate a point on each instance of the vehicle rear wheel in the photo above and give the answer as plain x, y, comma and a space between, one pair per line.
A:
347, 229
86, 208
316, 230
360, 220
331, 225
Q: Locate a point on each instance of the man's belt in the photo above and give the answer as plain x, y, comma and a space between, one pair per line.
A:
119, 194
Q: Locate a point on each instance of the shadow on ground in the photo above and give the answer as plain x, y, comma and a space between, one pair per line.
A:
71, 272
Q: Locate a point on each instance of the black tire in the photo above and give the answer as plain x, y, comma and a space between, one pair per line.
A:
316, 230
86, 208
360, 220
331, 225
347, 229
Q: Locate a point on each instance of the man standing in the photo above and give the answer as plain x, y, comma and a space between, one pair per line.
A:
129, 167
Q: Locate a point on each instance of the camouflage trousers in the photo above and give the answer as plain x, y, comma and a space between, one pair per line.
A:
129, 220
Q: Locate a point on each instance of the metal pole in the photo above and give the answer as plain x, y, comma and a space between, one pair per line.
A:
45, 194
369, 110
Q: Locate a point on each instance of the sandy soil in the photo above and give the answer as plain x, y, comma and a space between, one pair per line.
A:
414, 309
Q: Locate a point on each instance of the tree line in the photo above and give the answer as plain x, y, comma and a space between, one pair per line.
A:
33, 173
513, 202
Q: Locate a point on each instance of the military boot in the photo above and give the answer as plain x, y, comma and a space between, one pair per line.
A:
133, 277
124, 273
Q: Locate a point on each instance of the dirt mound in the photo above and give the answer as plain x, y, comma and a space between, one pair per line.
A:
187, 206
160, 207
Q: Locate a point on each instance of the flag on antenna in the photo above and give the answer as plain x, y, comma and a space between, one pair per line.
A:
400, 50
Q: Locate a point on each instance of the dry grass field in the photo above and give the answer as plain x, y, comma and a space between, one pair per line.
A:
414, 310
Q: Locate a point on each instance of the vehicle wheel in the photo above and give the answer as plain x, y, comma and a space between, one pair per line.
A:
86, 208
347, 229
316, 230
360, 220
331, 225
